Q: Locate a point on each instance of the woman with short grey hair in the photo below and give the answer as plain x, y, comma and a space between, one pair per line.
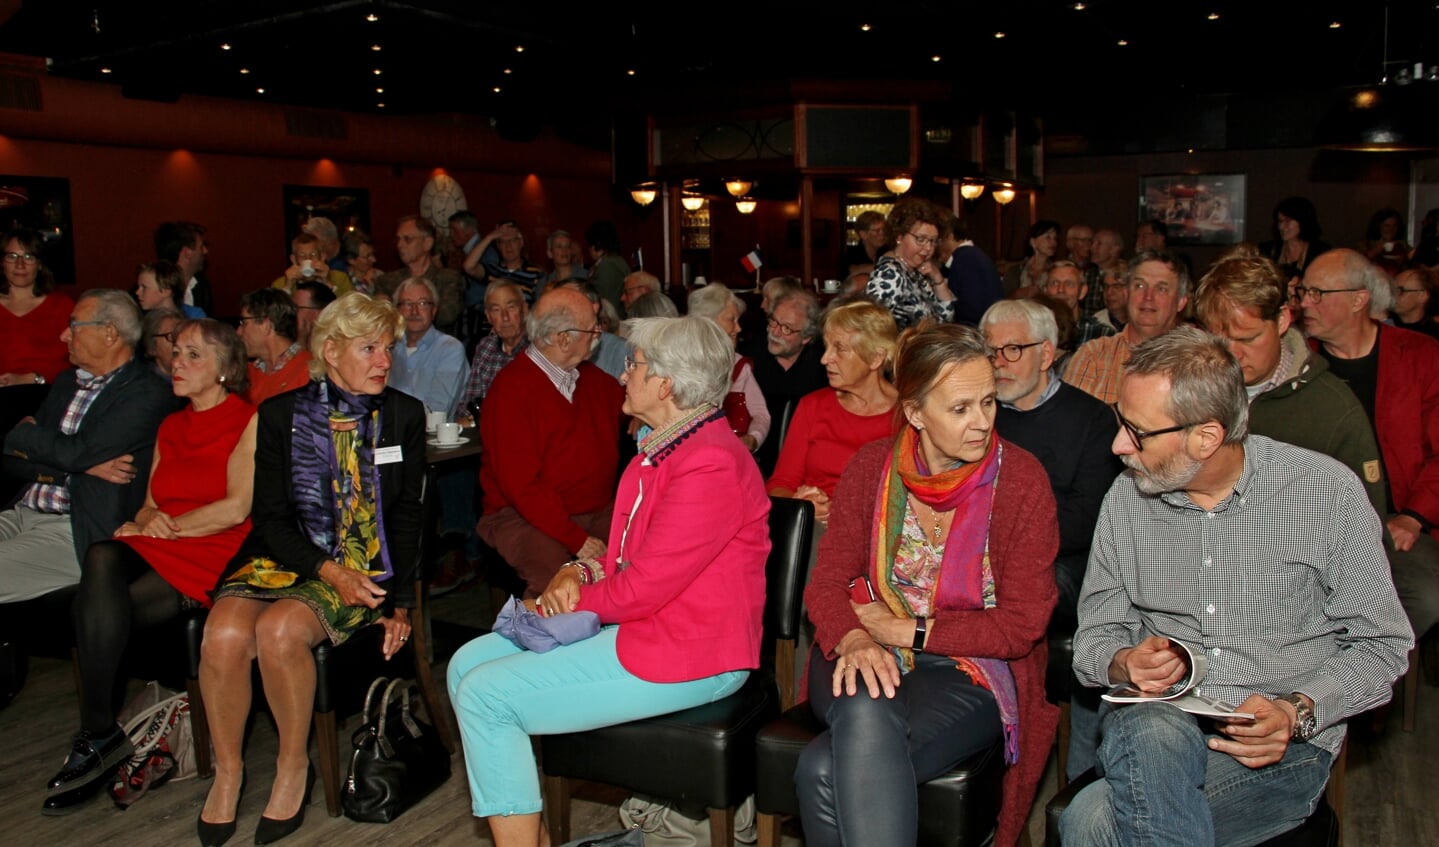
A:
744, 405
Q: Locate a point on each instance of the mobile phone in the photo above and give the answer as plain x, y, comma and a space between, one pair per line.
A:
861, 591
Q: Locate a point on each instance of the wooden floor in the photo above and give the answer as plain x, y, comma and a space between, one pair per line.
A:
1390, 786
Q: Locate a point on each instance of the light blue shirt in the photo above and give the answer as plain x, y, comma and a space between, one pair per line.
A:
435, 373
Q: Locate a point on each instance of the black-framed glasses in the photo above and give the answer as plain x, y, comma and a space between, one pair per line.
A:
168, 336
631, 363
1138, 435
1011, 352
782, 328
1301, 293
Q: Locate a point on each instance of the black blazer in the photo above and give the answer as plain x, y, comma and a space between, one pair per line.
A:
123, 419
275, 530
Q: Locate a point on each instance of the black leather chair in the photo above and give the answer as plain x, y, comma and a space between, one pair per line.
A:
956, 809
1321, 829
1058, 679
705, 755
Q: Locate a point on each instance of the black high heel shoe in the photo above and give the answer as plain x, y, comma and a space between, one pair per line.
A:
270, 830
216, 834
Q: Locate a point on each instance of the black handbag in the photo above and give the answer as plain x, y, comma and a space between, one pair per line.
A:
398, 759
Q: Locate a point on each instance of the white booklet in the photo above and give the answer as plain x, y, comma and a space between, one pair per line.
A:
1181, 693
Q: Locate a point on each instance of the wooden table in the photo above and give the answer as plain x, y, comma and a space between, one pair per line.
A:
466, 449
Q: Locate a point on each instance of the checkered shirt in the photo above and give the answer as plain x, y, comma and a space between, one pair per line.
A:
55, 498
490, 358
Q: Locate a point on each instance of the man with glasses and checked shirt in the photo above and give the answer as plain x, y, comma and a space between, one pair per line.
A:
1264, 557
86, 453
1395, 374
550, 429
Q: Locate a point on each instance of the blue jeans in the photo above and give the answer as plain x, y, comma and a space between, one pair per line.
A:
502, 695
1163, 786
858, 781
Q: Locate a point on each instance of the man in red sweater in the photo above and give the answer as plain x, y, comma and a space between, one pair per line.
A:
550, 428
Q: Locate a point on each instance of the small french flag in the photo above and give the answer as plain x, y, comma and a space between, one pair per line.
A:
752, 262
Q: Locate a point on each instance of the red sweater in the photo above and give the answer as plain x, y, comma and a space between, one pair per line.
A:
32, 343
263, 386
546, 457
1024, 537
821, 439
1406, 420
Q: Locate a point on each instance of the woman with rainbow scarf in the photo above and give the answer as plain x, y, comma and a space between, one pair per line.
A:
955, 531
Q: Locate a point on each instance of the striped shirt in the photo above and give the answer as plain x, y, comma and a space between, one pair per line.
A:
54, 498
1284, 584
563, 380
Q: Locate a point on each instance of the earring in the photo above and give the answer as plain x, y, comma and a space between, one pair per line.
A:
222, 379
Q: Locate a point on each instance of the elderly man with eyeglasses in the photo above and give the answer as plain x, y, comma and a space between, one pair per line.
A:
1158, 292
786, 363
1395, 374
269, 329
550, 428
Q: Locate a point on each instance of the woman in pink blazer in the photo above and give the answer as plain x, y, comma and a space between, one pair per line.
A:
680, 591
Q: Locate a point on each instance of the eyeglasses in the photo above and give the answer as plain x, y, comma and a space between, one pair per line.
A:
1161, 288
74, 324
631, 363
1399, 289
924, 240
20, 258
783, 329
415, 304
168, 336
1302, 293
1011, 352
595, 331
1137, 435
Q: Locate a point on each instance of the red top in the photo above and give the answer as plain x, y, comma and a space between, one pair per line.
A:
823, 436
1406, 419
32, 342
194, 450
546, 457
1023, 538
294, 374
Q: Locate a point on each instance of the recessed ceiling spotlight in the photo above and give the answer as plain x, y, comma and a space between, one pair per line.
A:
519, 48
1080, 7
1214, 16
630, 72
999, 35
508, 71
244, 70
372, 17
935, 58
379, 105
105, 70
224, 47
259, 91
497, 89
1335, 25
378, 71
375, 47
865, 27
379, 91
1123, 42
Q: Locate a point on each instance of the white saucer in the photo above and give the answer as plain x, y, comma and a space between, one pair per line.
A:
435, 442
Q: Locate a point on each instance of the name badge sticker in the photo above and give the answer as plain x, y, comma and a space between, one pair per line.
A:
388, 455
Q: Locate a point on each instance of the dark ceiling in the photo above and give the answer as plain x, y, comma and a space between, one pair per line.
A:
580, 62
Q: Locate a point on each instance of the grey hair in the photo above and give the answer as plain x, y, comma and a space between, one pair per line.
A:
1359, 271
709, 301
415, 281
1036, 316
1181, 270
653, 305
779, 287
543, 325
322, 228
550, 239
151, 323
118, 309
811, 311
609, 316
1205, 381
692, 352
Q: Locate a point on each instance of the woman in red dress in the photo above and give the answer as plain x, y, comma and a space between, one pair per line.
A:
30, 322
195, 515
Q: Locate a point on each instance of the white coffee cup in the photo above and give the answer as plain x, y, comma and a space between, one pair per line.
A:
433, 420
448, 433
307, 269
700, 282
831, 286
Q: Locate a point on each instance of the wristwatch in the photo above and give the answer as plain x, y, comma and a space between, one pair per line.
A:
919, 634
39, 380
1305, 724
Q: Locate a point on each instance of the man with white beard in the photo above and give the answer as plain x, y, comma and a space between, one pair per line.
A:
786, 363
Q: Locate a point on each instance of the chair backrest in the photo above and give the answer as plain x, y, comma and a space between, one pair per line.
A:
791, 534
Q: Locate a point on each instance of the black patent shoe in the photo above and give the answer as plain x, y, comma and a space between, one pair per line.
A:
92, 761
216, 834
270, 830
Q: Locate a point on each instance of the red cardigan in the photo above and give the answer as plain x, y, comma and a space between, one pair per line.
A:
547, 457
1406, 419
1024, 538
691, 595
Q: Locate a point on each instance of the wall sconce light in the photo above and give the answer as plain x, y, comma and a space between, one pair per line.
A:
1003, 194
971, 190
745, 205
644, 195
692, 202
898, 184
738, 187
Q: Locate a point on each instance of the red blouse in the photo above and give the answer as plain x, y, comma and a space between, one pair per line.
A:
32, 341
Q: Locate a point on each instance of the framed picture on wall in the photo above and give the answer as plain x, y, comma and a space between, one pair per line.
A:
42, 204
1198, 208
347, 208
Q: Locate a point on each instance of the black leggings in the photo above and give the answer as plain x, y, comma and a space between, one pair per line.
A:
118, 591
